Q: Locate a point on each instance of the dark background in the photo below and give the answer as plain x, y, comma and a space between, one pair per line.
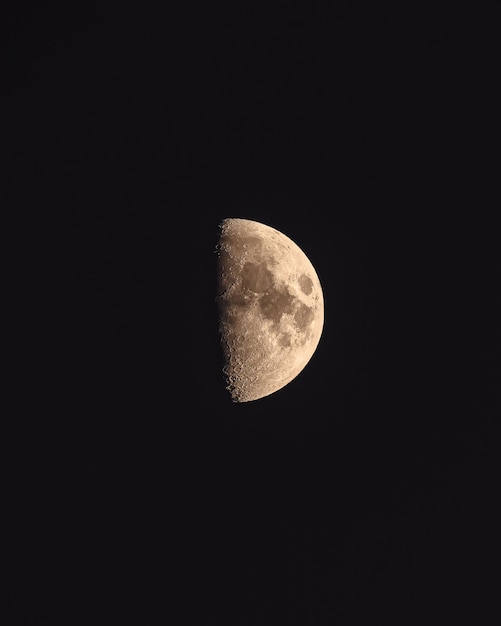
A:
364, 492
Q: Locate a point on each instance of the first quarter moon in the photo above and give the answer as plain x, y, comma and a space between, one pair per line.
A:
271, 308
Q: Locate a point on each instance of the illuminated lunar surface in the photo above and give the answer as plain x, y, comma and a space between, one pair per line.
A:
271, 308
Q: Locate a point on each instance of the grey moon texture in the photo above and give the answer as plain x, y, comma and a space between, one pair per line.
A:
271, 308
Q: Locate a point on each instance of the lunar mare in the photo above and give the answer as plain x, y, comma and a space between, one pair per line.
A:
271, 308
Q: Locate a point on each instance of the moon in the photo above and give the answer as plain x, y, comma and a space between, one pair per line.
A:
271, 308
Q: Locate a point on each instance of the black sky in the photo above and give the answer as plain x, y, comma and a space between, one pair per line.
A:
365, 491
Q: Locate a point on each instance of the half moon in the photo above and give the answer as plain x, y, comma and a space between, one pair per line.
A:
271, 308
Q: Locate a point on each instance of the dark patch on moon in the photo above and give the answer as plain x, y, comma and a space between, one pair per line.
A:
303, 317
306, 284
285, 340
275, 303
238, 298
256, 277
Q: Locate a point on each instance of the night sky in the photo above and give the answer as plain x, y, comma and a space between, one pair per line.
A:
366, 490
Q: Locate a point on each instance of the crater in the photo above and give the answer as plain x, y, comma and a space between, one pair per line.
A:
306, 284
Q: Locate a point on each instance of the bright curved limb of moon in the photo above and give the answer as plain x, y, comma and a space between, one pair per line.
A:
271, 308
